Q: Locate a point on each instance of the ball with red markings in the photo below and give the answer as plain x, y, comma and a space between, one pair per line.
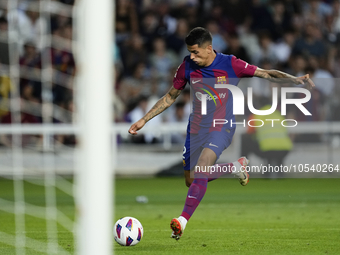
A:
128, 231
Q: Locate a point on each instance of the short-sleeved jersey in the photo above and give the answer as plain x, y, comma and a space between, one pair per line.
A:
225, 69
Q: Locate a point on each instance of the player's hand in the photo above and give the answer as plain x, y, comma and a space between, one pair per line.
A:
305, 80
136, 126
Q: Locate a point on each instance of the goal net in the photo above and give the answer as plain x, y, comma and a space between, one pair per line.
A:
56, 137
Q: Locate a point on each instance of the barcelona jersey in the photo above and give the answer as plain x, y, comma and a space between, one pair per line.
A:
225, 69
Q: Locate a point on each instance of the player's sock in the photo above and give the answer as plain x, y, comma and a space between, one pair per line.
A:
195, 194
237, 167
183, 221
220, 170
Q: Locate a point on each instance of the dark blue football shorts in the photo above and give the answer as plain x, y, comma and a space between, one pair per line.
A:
217, 141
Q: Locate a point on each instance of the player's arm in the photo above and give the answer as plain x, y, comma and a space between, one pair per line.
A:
162, 104
281, 77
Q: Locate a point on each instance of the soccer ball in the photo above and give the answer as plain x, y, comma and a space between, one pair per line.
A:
128, 231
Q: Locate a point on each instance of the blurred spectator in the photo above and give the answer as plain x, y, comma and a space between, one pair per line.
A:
148, 28
261, 17
192, 15
267, 49
329, 30
175, 41
316, 10
27, 93
224, 21
236, 10
29, 103
248, 39
136, 114
133, 52
162, 62
126, 19
178, 117
281, 20
298, 64
186, 99
63, 62
30, 67
219, 43
167, 24
294, 7
235, 48
310, 43
283, 48
32, 26
130, 88
31, 56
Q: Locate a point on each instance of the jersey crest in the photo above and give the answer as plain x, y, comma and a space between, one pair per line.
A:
221, 80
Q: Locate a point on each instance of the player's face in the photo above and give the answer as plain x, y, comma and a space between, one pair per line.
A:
200, 55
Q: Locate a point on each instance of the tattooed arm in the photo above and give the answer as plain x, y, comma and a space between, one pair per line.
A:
281, 77
161, 105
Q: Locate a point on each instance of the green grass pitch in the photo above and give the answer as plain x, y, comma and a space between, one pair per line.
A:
288, 216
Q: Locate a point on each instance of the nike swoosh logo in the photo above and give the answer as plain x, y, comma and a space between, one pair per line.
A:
191, 196
194, 82
246, 65
210, 144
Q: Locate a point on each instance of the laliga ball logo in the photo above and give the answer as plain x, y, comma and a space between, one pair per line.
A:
128, 231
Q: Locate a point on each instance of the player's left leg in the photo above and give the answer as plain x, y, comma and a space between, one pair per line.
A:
196, 191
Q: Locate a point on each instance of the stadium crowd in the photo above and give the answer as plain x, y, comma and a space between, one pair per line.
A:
295, 36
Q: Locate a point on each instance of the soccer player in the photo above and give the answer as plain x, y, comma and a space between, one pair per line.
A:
205, 142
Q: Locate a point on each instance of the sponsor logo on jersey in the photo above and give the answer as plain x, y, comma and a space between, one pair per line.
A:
209, 98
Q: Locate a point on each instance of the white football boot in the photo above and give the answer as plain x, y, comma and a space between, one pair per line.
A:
241, 171
177, 225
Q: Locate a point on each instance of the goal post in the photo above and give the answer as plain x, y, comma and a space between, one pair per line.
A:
93, 48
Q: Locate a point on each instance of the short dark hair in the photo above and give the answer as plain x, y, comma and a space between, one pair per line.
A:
199, 36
